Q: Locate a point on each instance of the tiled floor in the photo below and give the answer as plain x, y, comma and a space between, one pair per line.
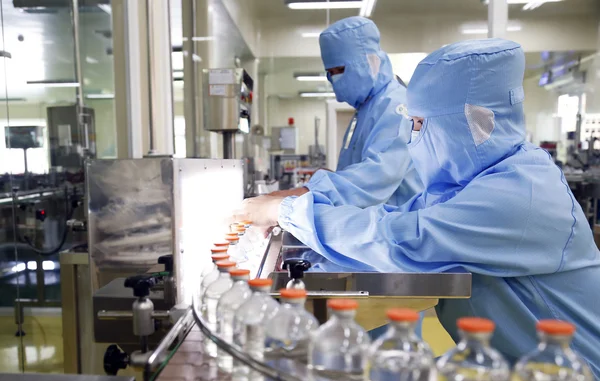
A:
43, 346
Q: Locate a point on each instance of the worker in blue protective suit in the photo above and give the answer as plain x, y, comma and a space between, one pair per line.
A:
374, 166
493, 205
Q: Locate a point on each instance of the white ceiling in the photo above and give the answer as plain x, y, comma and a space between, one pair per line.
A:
269, 9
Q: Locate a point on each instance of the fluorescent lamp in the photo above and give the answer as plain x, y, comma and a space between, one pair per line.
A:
526, 1
311, 34
325, 4
310, 78
48, 265
200, 39
19, 267
481, 28
106, 8
317, 95
53, 83
32, 265
367, 8
100, 96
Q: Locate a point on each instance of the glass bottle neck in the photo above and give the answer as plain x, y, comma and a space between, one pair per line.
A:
554, 342
343, 316
476, 340
401, 329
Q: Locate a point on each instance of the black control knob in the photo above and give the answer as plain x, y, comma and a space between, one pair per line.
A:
141, 284
166, 260
296, 267
114, 360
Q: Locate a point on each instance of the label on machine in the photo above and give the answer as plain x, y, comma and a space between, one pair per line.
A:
221, 77
217, 90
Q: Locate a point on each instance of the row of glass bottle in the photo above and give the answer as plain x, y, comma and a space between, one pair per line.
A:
242, 312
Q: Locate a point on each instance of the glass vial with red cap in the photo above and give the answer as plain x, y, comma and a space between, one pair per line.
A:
553, 359
218, 254
230, 301
211, 298
250, 323
288, 332
339, 348
400, 354
473, 359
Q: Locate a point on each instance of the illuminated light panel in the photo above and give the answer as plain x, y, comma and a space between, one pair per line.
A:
317, 95
311, 78
326, 5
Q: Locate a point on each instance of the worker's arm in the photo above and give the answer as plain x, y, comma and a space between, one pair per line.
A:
384, 166
489, 228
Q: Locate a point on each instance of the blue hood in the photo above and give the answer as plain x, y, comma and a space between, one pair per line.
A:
471, 96
354, 43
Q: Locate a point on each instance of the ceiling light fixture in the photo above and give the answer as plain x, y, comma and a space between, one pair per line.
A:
367, 8
296, 4
310, 77
481, 28
53, 83
317, 94
311, 34
512, 2
106, 8
100, 96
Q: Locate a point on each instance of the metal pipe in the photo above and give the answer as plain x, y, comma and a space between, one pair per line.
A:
228, 145
78, 73
128, 315
149, 58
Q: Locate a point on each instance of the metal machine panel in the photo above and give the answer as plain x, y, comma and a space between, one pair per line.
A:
70, 145
140, 209
228, 97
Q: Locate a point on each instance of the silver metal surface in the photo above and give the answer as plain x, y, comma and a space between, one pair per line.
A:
60, 377
222, 102
143, 324
128, 315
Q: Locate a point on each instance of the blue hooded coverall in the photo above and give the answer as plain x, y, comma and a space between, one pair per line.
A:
493, 204
374, 166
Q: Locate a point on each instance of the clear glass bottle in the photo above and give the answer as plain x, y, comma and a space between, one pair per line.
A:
226, 308
339, 348
249, 328
235, 251
400, 354
553, 360
212, 273
288, 332
211, 297
473, 359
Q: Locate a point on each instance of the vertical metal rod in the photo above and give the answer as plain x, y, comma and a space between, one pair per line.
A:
149, 57
228, 145
78, 73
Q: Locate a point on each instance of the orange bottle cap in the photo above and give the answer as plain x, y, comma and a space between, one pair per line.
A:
221, 244
292, 293
239, 272
260, 282
342, 304
402, 314
239, 228
231, 235
555, 327
222, 249
246, 222
225, 264
232, 239
476, 325
219, 257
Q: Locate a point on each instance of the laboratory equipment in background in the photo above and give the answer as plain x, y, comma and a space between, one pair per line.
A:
71, 143
317, 151
287, 169
283, 139
227, 103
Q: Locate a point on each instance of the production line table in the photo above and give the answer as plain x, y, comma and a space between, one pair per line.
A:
374, 292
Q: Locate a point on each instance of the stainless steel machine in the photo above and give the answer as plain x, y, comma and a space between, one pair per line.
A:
227, 104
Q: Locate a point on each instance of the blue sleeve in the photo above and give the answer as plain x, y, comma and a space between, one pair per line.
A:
384, 165
484, 229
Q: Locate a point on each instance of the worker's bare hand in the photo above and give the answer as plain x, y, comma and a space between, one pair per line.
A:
262, 211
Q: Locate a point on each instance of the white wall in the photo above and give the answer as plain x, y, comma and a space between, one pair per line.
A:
540, 105
304, 111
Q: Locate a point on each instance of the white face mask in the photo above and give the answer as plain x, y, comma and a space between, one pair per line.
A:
414, 135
